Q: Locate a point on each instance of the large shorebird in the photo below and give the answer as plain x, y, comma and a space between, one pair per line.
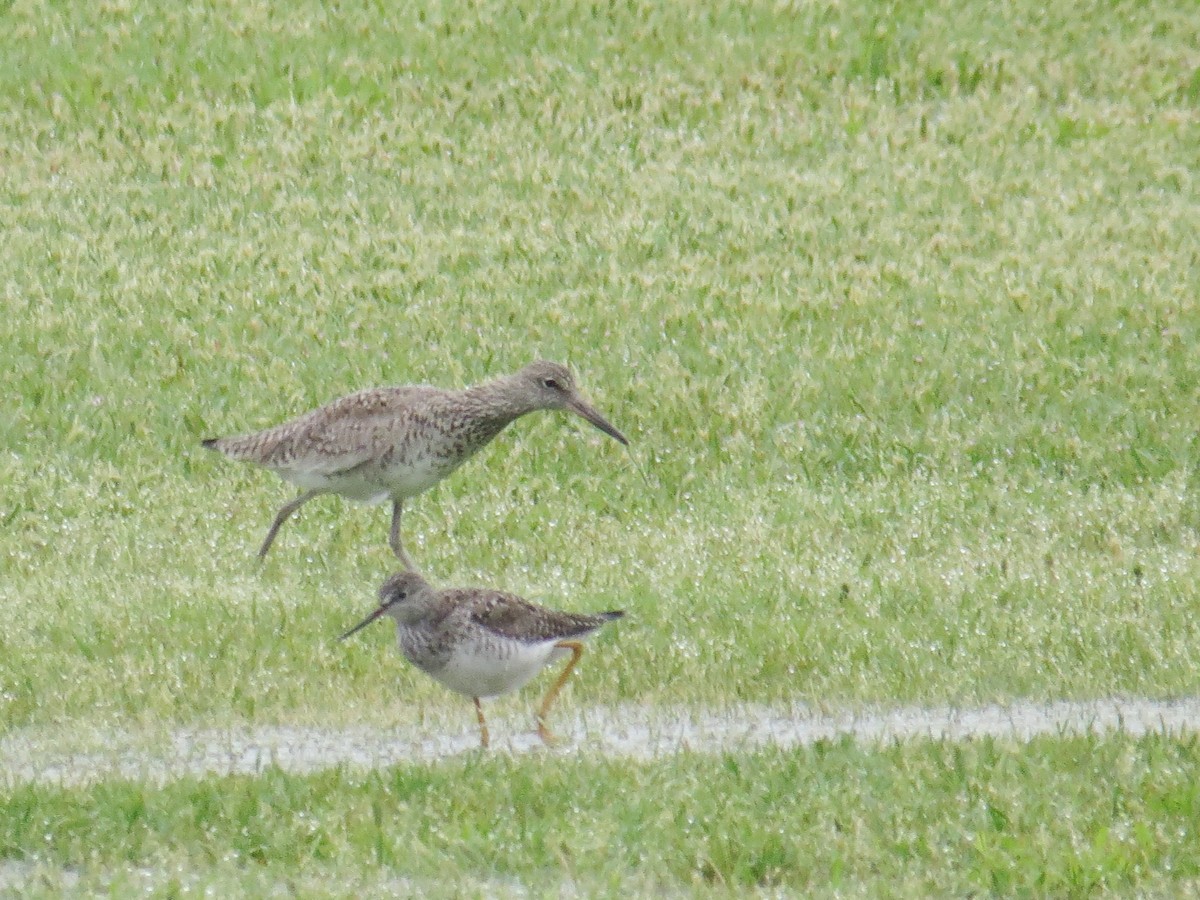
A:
482, 643
399, 441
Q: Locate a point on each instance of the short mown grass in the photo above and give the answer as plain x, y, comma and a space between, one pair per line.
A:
896, 302
1060, 817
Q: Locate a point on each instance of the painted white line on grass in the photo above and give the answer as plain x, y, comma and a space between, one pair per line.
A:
624, 732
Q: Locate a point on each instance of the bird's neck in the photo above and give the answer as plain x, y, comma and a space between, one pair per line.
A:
499, 402
418, 610
407, 615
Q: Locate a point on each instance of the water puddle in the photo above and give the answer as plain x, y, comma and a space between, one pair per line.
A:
72, 758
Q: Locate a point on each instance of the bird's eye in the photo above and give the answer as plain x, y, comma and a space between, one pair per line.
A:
550, 383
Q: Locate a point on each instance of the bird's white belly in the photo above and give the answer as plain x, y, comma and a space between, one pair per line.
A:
372, 484
475, 672
416, 477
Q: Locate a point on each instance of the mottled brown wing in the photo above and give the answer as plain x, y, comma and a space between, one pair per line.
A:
518, 619
344, 434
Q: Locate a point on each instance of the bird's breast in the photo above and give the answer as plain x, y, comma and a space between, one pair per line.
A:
485, 666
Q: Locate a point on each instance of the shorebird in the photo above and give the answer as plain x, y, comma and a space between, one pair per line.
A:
395, 442
482, 643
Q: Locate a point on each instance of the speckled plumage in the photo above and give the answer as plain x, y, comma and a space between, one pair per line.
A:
482, 643
397, 442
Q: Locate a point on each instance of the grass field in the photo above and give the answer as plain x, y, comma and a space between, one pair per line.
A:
1058, 818
897, 304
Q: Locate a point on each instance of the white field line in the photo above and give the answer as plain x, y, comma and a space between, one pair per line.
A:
42, 756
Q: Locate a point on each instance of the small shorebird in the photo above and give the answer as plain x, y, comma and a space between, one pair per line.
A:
396, 442
482, 643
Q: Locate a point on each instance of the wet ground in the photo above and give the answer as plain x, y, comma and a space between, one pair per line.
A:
49, 756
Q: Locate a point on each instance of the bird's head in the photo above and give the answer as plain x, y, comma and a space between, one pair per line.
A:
550, 385
397, 596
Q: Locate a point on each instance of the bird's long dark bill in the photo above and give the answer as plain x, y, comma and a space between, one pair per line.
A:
364, 623
580, 408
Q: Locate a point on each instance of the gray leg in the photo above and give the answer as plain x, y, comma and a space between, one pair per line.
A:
280, 517
397, 547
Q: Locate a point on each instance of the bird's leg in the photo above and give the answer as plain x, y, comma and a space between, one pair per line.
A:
483, 732
397, 547
576, 649
280, 517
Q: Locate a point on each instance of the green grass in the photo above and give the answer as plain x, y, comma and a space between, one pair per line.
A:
1058, 817
896, 302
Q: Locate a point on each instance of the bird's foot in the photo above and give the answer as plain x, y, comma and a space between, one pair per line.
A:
549, 738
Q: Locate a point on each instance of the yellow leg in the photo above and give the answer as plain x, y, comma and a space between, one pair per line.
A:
483, 732
576, 649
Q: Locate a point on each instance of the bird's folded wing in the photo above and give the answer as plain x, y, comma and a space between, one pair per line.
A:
516, 618
340, 437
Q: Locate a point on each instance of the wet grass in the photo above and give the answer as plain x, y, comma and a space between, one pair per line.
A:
1062, 817
896, 305
897, 316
